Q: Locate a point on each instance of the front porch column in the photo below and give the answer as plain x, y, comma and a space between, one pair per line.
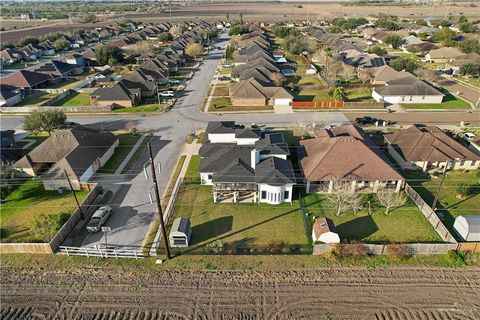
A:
425, 165
214, 196
235, 197
354, 186
330, 187
375, 186
399, 185
308, 186
254, 196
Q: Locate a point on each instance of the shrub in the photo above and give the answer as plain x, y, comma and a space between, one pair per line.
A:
463, 190
354, 249
215, 246
397, 251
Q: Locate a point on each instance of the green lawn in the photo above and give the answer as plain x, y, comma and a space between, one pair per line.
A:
219, 103
75, 99
310, 81
36, 99
361, 94
450, 203
221, 91
403, 224
28, 201
200, 137
192, 169
127, 141
241, 226
449, 102
226, 70
140, 150
140, 108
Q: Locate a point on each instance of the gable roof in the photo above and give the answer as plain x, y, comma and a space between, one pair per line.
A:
445, 53
26, 79
329, 156
407, 86
428, 144
119, 92
252, 88
387, 73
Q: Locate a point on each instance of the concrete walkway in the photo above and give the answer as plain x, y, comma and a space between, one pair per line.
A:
130, 155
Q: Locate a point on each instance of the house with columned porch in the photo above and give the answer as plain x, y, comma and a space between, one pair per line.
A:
246, 165
346, 155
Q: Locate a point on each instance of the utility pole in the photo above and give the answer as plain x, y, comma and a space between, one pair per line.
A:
159, 205
74, 195
435, 200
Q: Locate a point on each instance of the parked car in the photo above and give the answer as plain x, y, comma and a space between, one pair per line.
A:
228, 65
467, 136
175, 81
167, 94
368, 120
99, 218
223, 78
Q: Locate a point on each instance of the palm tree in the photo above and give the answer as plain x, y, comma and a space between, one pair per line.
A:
340, 94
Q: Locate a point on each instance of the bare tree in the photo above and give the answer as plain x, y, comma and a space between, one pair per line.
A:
278, 78
349, 72
390, 199
342, 196
356, 203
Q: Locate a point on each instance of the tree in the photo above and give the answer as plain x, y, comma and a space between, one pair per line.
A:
46, 226
394, 41
462, 19
88, 18
470, 69
238, 29
413, 49
8, 178
470, 46
342, 196
404, 64
339, 94
176, 31
379, 51
295, 44
28, 40
281, 31
423, 36
229, 52
4, 46
443, 35
390, 199
277, 78
349, 72
44, 121
468, 27
194, 50
106, 54
165, 36
61, 44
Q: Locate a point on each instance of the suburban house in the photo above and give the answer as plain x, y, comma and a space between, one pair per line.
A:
381, 75
9, 56
138, 79
346, 155
429, 148
246, 165
252, 92
9, 96
443, 54
119, 94
323, 230
77, 152
25, 79
409, 89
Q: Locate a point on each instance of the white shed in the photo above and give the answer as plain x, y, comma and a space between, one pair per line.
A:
323, 230
468, 227
180, 233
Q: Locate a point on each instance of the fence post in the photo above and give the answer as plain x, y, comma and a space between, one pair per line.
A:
86, 251
115, 251
66, 249
135, 252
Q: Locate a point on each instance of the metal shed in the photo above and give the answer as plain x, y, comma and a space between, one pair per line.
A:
468, 227
180, 233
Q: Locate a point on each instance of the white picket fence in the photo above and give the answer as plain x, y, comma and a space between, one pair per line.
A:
100, 252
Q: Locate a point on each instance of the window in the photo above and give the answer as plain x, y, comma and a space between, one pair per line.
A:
423, 97
402, 98
210, 176
462, 163
286, 195
263, 195
474, 163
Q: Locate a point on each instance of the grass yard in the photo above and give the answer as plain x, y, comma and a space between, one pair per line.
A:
127, 141
28, 201
140, 150
220, 103
36, 99
449, 102
75, 99
403, 224
310, 81
221, 91
361, 94
312, 95
140, 108
226, 70
200, 137
245, 225
192, 169
450, 203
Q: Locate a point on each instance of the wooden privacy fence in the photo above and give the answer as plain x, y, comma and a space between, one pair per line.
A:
430, 215
101, 252
318, 104
469, 246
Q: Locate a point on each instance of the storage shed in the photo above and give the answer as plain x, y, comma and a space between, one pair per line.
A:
324, 231
468, 227
180, 233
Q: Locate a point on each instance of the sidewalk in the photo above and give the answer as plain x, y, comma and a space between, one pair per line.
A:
130, 154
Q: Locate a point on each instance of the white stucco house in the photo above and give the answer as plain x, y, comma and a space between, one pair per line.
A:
77, 153
408, 90
429, 148
245, 164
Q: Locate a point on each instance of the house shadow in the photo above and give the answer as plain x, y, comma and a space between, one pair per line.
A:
357, 229
211, 229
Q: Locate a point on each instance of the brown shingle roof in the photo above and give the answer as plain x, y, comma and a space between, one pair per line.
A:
251, 88
428, 144
26, 79
346, 153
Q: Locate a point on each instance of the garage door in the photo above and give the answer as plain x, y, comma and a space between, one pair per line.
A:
282, 102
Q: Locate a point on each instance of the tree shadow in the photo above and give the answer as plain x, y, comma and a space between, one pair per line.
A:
211, 229
357, 229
